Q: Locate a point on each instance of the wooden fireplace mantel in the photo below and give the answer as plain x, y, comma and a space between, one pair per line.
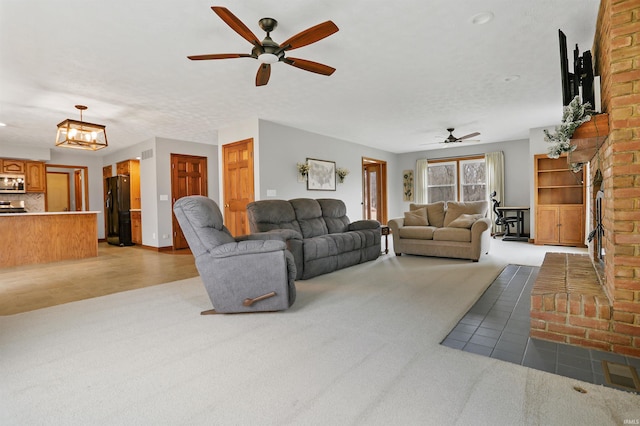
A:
588, 138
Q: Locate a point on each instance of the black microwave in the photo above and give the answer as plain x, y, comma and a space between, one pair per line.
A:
12, 184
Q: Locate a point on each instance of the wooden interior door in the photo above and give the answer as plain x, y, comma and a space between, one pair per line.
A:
374, 182
188, 177
58, 192
238, 185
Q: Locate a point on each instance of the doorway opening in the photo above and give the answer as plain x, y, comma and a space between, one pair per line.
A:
69, 188
374, 185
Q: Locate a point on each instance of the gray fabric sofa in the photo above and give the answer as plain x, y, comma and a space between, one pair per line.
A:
240, 275
461, 230
317, 232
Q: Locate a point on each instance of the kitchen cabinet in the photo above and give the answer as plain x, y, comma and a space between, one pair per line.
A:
136, 227
131, 168
36, 176
11, 166
559, 202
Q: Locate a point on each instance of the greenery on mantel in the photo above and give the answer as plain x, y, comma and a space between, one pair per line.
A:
574, 114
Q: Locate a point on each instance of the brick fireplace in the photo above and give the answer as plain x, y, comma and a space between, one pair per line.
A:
603, 312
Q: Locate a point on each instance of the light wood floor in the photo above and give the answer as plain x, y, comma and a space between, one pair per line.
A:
116, 269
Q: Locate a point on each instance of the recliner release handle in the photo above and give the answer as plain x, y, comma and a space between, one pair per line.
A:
249, 302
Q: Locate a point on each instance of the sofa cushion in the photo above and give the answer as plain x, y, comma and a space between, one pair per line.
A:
416, 217
268, 215
417, 232
455, 209
334, 213
452, 234
465, 220
319, 247
435, 212
309, 215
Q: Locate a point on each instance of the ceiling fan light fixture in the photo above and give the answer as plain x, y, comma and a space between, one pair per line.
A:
80, 134
268, 58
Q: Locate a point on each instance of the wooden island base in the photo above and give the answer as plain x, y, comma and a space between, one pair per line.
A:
31, 238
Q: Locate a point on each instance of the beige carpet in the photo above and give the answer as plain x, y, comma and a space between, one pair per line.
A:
360, 346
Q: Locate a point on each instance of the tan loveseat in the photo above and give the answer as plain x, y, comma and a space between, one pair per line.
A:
459, 230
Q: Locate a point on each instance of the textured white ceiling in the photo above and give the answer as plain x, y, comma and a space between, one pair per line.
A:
406, 70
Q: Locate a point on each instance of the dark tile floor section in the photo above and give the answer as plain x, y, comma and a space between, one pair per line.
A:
497, 326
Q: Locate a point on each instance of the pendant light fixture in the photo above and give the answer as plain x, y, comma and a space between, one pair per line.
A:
80, 134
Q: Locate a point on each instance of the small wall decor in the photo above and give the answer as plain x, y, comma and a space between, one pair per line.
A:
342, 173
303, 171
407, 185
322, 175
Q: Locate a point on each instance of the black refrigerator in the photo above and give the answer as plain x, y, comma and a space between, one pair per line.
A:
117, 211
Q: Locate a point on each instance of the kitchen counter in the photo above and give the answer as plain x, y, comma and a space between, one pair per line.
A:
44, 213
43, 237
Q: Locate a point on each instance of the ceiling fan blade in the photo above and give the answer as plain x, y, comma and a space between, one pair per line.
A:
236, 24
264, 72
470, 135
306, 65
219, 56
310, 35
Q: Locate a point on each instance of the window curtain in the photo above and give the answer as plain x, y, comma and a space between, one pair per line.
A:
494, 166
421, 181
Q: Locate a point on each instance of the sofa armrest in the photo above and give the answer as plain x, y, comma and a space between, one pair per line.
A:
363, 224
395, 224
479, 226
247, 247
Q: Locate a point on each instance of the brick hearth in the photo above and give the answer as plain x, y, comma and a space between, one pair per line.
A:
568, 305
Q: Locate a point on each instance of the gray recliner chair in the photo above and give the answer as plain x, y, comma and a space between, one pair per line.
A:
240, 275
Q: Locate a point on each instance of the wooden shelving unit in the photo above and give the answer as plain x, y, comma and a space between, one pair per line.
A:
559, 202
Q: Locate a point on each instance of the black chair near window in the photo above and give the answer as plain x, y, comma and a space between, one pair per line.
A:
501, 220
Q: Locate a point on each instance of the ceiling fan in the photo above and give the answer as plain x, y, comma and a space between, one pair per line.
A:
269, 52
452, 139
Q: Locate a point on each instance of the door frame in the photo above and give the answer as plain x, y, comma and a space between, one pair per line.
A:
382, 184
85, 176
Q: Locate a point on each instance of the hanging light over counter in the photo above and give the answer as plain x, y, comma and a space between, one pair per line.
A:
80, 134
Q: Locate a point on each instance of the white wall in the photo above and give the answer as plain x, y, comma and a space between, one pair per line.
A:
281, 147
27, 152
517, 185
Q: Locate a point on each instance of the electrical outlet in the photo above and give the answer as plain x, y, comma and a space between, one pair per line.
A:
154, 236
165, 236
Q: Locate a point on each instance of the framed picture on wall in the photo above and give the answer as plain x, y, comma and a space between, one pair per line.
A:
407, 185
322, 175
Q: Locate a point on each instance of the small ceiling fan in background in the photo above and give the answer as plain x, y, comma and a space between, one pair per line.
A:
269, 52
452, 139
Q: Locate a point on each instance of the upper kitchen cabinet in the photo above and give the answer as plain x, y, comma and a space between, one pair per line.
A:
36, 176
12, 166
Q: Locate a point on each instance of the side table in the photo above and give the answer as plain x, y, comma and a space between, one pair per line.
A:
385, 231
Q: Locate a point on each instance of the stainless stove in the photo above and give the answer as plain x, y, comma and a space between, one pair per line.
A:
12, 207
